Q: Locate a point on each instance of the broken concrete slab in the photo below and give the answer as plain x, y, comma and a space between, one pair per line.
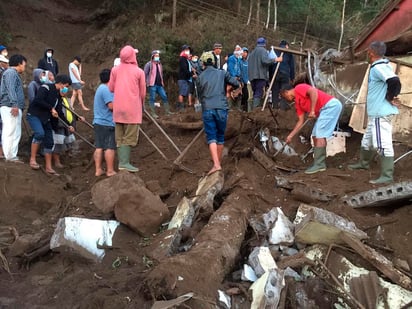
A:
281, 231
106, 192
261, 260
307, 194
83, 237
141, 210
266, 290
318, 226
164, 244
383, 196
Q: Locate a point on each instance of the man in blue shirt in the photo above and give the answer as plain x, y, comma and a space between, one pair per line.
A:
382, 104
104, 126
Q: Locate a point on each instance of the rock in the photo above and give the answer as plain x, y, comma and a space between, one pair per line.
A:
183, 216
83, 237
106, 193
281, 231
141, 210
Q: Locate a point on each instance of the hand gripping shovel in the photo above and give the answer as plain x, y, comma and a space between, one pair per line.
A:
284, 145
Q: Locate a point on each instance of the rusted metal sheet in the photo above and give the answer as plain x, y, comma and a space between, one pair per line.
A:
392, 23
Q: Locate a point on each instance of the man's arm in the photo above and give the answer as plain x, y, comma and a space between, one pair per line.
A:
312, 93
298, 125
394, 88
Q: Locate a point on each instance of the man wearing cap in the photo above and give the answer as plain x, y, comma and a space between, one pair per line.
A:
259, 62
318, 105
211, 87
154, 81
11, 107
3, 51
184, 76
284, 76
4, 64
48, 63
217, 51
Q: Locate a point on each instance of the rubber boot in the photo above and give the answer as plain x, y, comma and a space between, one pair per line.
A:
365, 157
249, 105
319, 161
167, 109
123, 153
256, 102
153, 112
387, 168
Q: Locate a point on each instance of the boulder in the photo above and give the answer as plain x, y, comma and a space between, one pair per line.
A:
106, 193
141, 210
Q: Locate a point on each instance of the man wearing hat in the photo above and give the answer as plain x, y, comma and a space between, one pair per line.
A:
284, 76
3, 51
259, 62
217, 51
154, 81
4, 64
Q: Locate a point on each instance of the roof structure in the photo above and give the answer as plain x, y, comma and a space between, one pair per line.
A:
392, 25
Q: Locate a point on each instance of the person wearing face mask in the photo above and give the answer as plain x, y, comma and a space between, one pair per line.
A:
63, 136
153, 71
48, 63
3, 51
39, 115
234, 69
39, 78
184, 76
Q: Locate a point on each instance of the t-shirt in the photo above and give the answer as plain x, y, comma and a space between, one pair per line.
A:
102, 114
75, 67
302, 99
377, 105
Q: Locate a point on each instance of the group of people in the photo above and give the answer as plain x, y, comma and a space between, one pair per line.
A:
49, 114
119, 103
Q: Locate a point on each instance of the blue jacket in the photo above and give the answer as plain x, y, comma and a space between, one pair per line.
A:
211, 86
233, 66
244, 64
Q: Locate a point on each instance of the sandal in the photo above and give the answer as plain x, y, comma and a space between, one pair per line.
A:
34, 166
52, 173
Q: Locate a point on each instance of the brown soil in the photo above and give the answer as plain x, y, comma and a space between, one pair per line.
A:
32, 202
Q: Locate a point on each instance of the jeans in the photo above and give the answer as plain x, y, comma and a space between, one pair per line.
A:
153, 90
43, 133
214, 122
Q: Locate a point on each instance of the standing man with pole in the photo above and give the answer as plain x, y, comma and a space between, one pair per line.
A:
381, 104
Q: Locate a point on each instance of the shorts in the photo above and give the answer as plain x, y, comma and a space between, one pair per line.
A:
77, 86
104, 137
328, 118
214, 122
184, 87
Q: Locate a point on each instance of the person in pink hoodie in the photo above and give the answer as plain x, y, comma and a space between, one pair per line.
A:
127, 82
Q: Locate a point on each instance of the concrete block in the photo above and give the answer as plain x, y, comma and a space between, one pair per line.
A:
261, 260
314, 225
266, 290
383, 196
281, 231
83, 236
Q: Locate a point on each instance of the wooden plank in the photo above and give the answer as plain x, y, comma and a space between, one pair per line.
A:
377, 260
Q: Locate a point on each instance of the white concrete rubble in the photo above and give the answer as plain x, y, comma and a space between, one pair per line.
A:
82, 236
261, 260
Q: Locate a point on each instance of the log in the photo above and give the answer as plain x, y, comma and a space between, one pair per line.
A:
377, 260
205, 266
182, 125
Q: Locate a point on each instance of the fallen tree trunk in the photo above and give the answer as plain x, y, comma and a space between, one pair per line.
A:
202, 269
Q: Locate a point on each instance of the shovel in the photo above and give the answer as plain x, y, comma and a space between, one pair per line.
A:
284, 145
